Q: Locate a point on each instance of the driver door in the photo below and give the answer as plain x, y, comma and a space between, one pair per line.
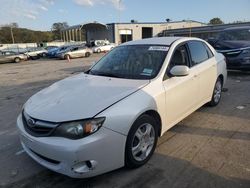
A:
180, 92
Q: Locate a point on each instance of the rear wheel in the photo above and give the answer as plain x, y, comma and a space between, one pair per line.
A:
98, 50
216, 93
17, 60
87, 54
141, 141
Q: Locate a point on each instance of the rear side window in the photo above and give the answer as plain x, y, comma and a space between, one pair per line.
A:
198, 52
209, 52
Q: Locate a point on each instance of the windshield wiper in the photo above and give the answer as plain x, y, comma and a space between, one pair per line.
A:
108, 74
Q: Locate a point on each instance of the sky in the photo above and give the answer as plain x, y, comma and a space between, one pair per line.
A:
41, 14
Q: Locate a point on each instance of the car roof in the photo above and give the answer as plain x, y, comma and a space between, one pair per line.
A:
154, 41
236, 28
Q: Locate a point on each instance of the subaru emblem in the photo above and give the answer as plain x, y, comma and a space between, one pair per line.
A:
31, 122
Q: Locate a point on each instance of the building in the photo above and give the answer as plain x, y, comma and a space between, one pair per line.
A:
204, 32
123, 32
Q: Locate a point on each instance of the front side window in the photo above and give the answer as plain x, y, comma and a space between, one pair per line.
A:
198, 52
132, 62
74, 49
179, 57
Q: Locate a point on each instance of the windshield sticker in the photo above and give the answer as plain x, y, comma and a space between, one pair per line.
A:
147, 72
158, 48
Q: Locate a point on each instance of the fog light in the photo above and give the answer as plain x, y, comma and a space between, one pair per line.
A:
83, 167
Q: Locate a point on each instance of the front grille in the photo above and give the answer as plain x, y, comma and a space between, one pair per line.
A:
38, 128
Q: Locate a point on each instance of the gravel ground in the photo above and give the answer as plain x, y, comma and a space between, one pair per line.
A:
210, 148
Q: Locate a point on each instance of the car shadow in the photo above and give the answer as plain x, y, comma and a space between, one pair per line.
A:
202, 131
160, 171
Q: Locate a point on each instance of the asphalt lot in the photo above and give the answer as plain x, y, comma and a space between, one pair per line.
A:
210, 148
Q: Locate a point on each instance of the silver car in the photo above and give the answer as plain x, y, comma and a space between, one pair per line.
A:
75, 52
10, 56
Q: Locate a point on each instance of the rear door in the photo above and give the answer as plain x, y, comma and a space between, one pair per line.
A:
204, 64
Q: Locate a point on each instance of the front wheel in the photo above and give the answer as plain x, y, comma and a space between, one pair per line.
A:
17, 60
216, 93
141, 141
87, 54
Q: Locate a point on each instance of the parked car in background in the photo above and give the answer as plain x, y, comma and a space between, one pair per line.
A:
63, 50
103, 48
35, 53
75, 52
234, 44
112, 115
52, 53
9, 56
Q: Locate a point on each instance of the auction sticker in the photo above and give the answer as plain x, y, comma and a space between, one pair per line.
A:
158, 48
147, 72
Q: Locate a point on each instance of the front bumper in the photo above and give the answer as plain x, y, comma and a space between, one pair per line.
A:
239, 62
96, 154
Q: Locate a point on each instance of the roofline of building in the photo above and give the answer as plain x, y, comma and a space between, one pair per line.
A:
155, 22
211, 27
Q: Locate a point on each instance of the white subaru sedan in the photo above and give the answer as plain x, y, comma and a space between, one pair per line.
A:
112, 115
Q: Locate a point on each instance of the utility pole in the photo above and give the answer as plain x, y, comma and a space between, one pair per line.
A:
12, 36
119, 9
119, 19
190, 28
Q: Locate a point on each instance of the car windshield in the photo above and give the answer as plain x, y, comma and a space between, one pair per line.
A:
234, 35
131, 62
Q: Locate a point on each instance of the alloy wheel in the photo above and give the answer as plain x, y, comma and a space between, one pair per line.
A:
143, 142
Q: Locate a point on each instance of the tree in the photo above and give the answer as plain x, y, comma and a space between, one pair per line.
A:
14, 25
216, 21
23, 35
57, 28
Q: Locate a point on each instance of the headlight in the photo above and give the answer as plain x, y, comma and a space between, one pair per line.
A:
78, 129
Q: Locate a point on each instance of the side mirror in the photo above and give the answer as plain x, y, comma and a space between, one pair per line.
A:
179, 70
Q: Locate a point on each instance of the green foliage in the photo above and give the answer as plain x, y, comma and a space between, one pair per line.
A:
56, 29
22, 35
216, 21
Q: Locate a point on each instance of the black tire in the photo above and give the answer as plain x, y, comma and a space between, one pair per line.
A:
34, 57
87, 54
17, 60
215, 100
130, 159
43, 55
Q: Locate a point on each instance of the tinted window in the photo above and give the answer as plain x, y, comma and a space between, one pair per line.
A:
198, 52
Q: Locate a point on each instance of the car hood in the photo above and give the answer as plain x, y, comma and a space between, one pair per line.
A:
79, 97
231, 45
